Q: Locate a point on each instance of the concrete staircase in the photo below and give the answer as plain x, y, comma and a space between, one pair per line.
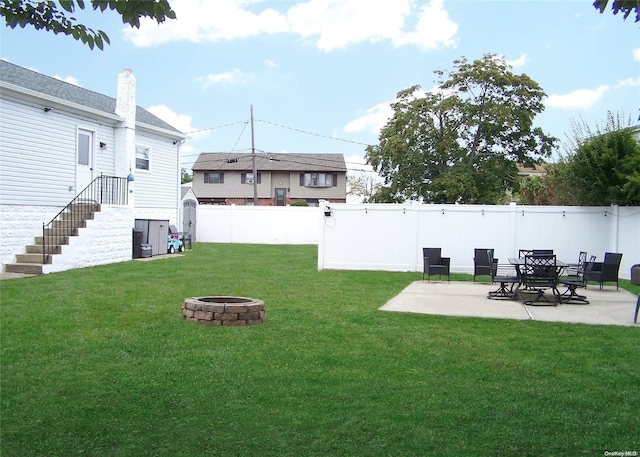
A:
58, 233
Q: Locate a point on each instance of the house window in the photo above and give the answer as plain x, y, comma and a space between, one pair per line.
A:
247, 178
143, 158
214, 178
318, 179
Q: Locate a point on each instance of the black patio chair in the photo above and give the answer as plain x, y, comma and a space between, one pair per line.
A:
507, 276
572, 283
606, 271
540, 272
577, 269
524, 252
435, 264
482, 263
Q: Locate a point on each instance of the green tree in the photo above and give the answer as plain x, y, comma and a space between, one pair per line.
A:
620, 6
362, 185
460, 143
605, 170
554, 188
185, 177
48, 16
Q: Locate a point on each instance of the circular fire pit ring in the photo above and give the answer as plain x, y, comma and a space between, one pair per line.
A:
223, 310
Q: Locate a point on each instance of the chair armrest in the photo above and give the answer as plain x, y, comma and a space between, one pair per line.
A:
597, 266
445, 261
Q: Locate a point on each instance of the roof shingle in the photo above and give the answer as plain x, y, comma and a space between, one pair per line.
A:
52, 87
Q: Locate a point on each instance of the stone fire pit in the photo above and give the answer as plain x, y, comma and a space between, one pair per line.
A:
227, 311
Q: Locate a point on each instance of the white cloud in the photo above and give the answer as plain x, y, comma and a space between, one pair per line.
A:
377, 116
68, 79
629, 82
270, 63
373, 119
636, 54
180, 121
433, 30
519, 62
233, 76
578, 99
332, 23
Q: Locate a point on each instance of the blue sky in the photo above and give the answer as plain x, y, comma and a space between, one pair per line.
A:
320, 74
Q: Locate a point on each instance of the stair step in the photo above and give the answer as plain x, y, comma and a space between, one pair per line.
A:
25, 268
37, 249
67, 225
29, 258
54, 240
61, 231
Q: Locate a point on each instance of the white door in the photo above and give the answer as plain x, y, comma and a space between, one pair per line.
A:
84, 159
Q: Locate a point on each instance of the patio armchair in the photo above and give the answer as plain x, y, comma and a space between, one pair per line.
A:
577, 269
606, 271
482, 262
434, 263
572, 283
540, 272
506, 275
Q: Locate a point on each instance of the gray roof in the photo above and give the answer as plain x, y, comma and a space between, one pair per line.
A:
52, 87
228, 161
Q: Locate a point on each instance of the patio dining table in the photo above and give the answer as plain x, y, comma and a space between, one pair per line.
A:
519, 262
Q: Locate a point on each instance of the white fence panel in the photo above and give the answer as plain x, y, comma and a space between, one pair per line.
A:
391, 237
258, 224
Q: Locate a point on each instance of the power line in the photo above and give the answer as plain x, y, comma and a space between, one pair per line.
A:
312, 133
216, 127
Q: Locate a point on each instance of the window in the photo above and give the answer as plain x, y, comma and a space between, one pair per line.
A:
84, 147
247, 178
318, 179
214, 178
143, 158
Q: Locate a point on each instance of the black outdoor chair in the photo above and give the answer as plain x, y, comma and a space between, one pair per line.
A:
577, 269
572, 283
542, 252
434, 263
540, 272
606, 271
524, 252
482, 263
506, 275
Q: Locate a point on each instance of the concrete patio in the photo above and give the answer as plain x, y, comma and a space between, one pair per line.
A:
607, 307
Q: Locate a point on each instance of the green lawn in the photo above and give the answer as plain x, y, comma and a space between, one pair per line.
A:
99, 362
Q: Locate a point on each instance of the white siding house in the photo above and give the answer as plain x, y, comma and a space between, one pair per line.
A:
55, 139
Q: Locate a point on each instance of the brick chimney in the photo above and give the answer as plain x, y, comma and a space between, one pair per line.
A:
125, 141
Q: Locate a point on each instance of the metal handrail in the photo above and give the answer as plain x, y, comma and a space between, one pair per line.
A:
107, 190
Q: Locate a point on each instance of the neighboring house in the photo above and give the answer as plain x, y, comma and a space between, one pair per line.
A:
62, 143
536, 170
228, 178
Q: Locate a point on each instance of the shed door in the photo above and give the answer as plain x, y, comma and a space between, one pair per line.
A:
189, 219
85, 156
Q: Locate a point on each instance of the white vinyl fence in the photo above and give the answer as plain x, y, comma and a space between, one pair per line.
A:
390, 237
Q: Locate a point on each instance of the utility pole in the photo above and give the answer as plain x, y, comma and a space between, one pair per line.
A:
253, 155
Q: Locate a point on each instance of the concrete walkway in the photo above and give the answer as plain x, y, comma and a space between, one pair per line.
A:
607, 307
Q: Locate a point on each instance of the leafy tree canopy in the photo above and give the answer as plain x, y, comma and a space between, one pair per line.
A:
461, 142
620, 6
185, 176
48, 16
606, 169
601, 166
